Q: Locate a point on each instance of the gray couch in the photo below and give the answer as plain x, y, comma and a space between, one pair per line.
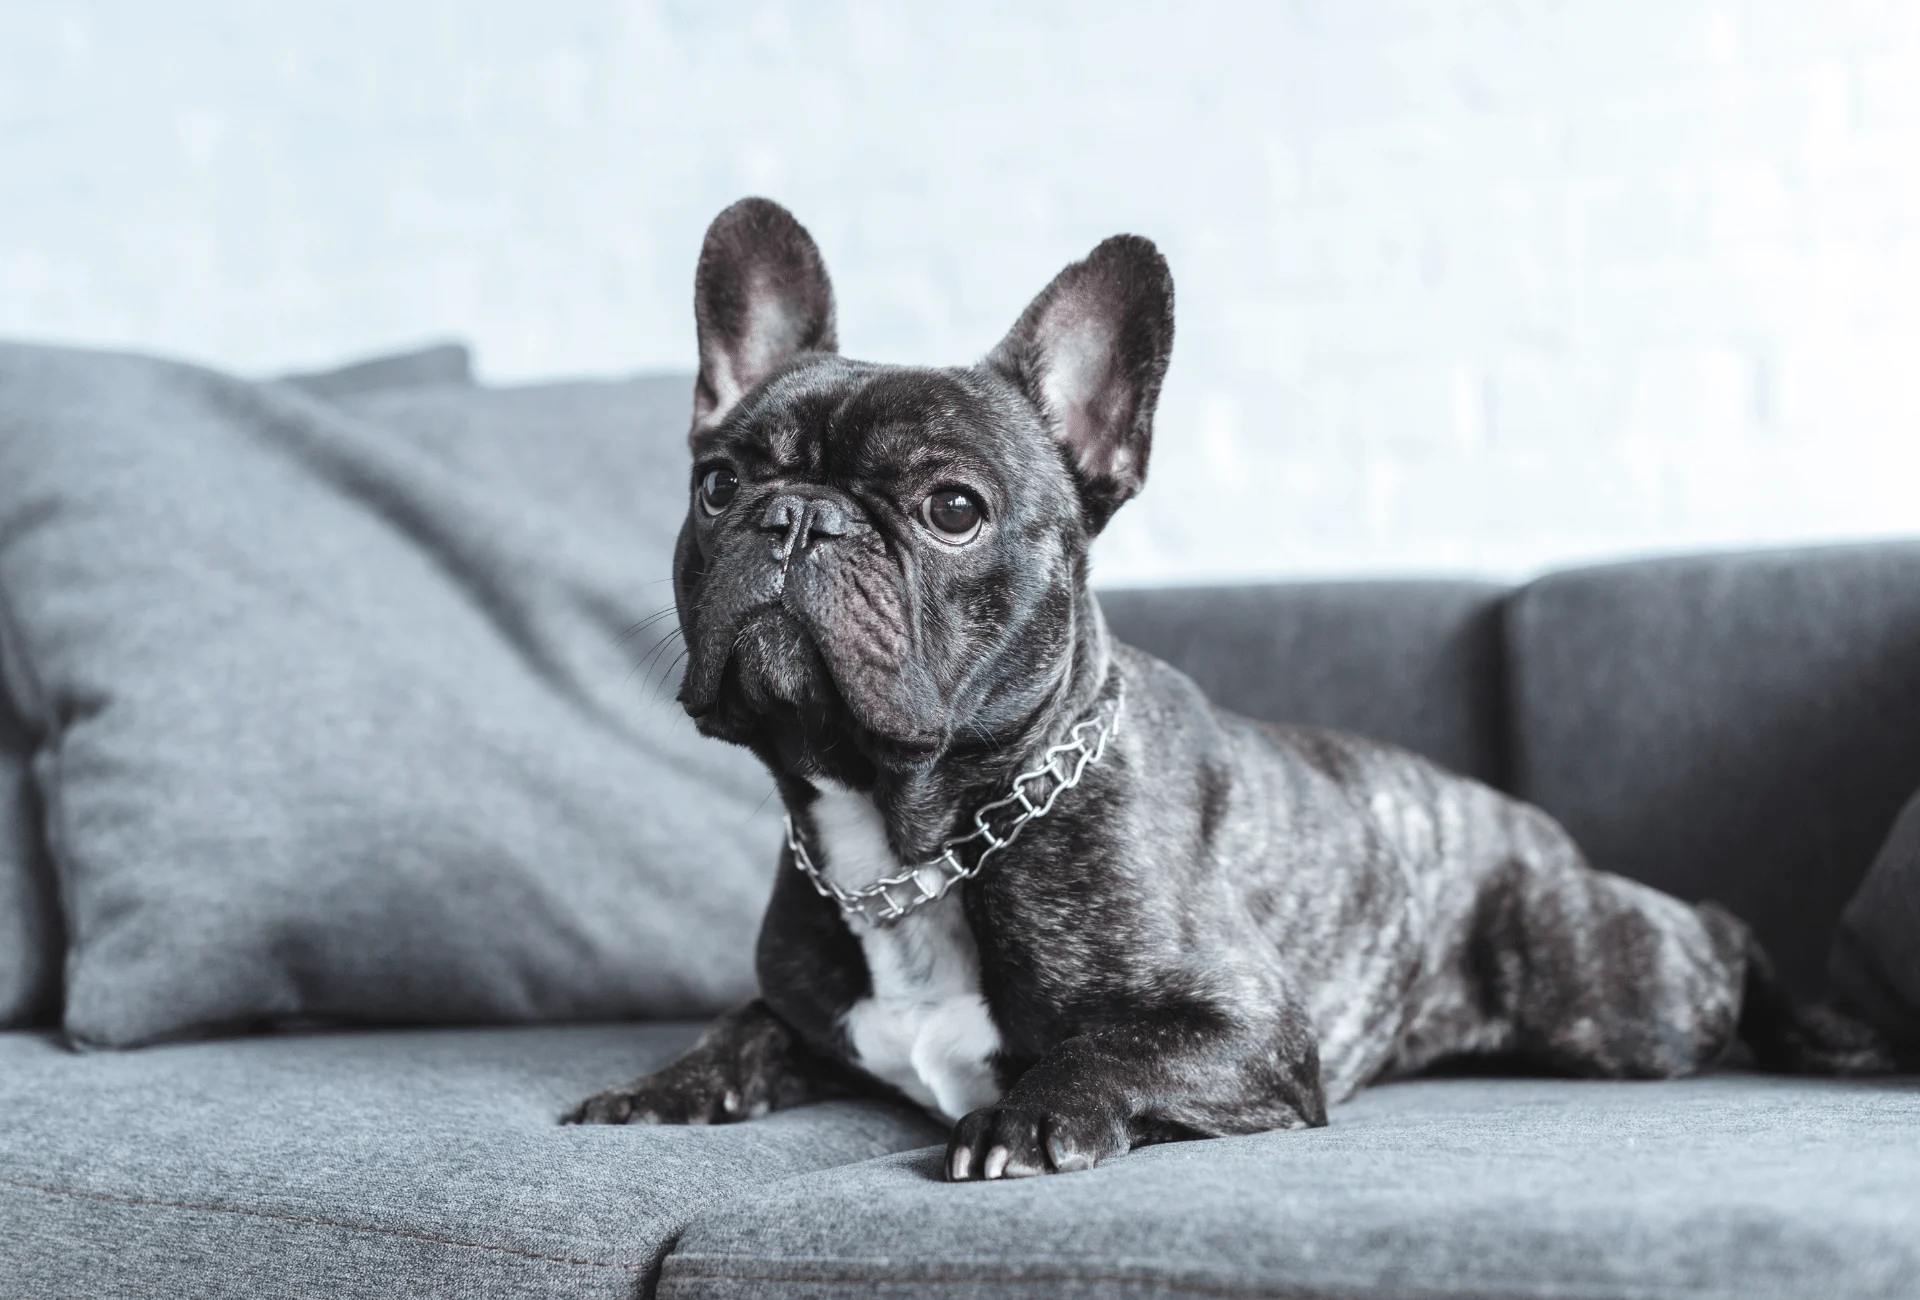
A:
1741, 727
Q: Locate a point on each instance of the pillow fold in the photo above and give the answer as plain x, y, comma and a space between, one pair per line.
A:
1875, 964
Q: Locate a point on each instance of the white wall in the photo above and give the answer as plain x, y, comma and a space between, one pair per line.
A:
1463, 286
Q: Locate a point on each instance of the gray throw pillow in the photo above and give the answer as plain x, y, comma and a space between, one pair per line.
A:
347, 706
1875, 964
32, 933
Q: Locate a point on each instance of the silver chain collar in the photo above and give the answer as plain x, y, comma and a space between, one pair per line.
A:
1064, 763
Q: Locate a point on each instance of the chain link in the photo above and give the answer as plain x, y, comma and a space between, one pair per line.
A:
1065, 763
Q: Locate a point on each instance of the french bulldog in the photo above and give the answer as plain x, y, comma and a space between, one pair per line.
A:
1035, 881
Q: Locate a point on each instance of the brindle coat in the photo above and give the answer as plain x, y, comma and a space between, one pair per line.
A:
1227, 926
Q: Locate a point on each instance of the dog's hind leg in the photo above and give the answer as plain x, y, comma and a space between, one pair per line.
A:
1592, 974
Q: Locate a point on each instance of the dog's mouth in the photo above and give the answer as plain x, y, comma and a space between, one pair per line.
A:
766, 660
766, 683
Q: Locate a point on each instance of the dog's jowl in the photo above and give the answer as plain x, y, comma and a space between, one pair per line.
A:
1034, 881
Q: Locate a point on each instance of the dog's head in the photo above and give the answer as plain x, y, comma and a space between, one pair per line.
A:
884, 563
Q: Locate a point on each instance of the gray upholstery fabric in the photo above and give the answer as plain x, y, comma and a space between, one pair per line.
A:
345, 718
1736, 727
1414, 663
1876, 953
370, 1164
31, 938
1728, 1186
444, 363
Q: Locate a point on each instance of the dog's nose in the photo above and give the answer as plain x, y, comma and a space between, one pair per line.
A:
800, 517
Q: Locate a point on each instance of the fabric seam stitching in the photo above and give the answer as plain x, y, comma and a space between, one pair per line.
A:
314, 1221
1030, 1279
1320, 1287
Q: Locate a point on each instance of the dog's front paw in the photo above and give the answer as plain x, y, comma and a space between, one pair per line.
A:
1015, 1140
683, 1093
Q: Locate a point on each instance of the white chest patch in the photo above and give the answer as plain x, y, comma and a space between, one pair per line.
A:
925, 1029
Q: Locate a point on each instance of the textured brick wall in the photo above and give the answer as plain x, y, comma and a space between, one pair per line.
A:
1464, 286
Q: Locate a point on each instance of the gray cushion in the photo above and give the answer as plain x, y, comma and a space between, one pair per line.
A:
1414, 663
1736, 727
32, 934
346, 716
1733, 1185
370, 1164
440, 364
1876, 953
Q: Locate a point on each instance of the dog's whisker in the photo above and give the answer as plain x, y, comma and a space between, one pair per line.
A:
667, 676
659, 648
644, 624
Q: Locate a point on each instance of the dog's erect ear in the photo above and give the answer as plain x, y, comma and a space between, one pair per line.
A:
1090, 352
760, 297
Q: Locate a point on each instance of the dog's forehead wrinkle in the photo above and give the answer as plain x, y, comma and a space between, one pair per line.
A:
914, 394
783, 440
870, 431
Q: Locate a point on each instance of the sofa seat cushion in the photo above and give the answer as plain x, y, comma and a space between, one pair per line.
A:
371, 1164
1729, 1185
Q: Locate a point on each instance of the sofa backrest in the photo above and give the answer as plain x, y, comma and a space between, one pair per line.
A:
1740, 727
1414, 663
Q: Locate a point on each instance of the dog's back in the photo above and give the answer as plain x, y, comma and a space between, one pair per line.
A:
1425, 916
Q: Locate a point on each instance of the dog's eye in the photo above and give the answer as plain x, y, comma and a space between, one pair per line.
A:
953, 515
717, 489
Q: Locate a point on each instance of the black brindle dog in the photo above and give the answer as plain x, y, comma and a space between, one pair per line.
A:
1213, 925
